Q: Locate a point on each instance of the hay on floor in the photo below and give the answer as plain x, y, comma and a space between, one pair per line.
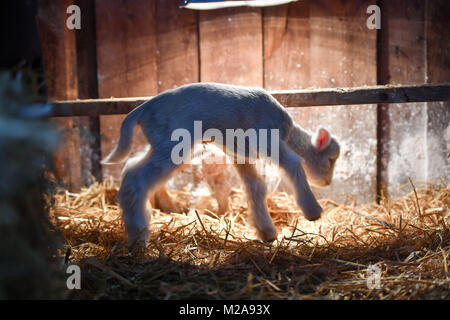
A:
398, 249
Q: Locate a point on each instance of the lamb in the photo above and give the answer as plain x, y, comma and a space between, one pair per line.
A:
220, 108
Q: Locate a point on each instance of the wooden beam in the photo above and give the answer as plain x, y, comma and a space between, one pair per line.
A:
288, 98
363, 95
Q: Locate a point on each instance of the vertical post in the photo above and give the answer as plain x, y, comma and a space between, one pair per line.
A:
438, 71
59, 59
401, 56
90, 150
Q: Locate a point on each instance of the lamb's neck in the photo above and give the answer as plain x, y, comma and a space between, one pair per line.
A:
300, 140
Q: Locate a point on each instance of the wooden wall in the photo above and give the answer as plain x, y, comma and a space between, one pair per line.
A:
327, 44
414, 139
144, 47
59, 59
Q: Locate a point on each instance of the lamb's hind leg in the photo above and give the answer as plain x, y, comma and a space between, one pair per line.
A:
256, 196
133, 193
163, 201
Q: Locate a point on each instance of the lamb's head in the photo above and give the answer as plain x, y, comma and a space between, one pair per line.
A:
320, 161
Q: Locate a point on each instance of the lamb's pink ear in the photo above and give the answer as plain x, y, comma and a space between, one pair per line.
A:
321, 139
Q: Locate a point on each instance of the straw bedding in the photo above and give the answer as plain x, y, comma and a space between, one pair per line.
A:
199, 255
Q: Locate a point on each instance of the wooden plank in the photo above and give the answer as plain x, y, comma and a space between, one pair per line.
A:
288, 98
286, 46
177, 45
59, 59
231, 46
90, 151
401, 132
126, 57
438, 70
58, 50
86, 51
126, 48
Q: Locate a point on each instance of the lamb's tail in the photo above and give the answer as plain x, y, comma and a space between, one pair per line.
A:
123, 147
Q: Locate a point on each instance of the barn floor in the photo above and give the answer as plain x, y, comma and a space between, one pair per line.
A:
405, 242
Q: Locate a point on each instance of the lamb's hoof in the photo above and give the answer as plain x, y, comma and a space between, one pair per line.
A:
269, 235
137, 240
137, 246
137, 251
314, 214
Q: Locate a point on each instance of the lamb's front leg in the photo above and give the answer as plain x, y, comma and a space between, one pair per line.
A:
290, 161
256, 191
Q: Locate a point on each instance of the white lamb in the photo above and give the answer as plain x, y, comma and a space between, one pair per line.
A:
220, 107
